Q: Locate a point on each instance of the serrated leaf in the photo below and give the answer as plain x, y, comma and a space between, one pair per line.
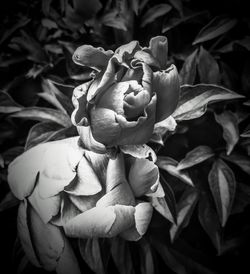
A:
122, 256
170, 165
216, 27
230, 129
207, 67
8, 202
209, 221
91, 254
188, 70
196, 156
154, 12
186, 206
195, 98
44, 114
240, 160
7, 104
222, 185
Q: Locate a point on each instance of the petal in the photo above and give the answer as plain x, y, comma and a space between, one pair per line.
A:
58, 168
46, 208
87, 140
92, 57
95, 222
85, 182
147, 77
84, 203
143, 215
105, 128
159, 48
23, 171
128, 50
79, 116
130, 234
137, 132
147, 58
143, 177
167, 87
133, 74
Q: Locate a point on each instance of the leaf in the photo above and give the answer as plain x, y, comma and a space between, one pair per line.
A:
153, 13
146, 257
160, 205
170, 165
216, 27
186, 206
178, 5
230, 129
246, 132
7, 104
122, 256
10, 154
86, 8
188, 70
240, 160
222, 185
91, 254
194, 99
114, 20
242, 198
40, 132
8, 202
208, 68
209, 221
196, 156
44, 114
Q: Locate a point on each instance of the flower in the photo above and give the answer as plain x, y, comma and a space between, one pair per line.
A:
133, 89
62, 185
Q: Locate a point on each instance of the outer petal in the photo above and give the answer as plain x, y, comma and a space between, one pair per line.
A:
128, 50
23, 171
147, 58
167, 87
143, 177
92, 57
143, 215
159, 48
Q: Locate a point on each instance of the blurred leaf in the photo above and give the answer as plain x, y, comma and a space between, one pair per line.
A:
196, 156
209, 221
186, 206
173, 22
122, 256
44, 114
230, 129
146, 257
216, 27
135, 5
170, 199
245, 43
49, 24
153, 13
246, 132
1, 161
91, 254
242, 198
222, 185
7, 104
188, 70
10, 154
208, 68
40, 132
194, 99
170, 165
23, 22
87, 9
178, 5
8, 202
115, 20
240, 160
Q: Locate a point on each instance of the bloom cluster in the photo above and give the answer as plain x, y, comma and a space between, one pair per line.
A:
72, 187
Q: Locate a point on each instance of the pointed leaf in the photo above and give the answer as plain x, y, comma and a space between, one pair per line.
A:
44, 114
186, 206
195, 98
170, 165
153, 13
216, 27
7, 104
229, 124
222, 185
196, 156
240, 160
188, 70
8, 201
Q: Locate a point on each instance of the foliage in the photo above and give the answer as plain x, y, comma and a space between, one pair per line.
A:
202, 226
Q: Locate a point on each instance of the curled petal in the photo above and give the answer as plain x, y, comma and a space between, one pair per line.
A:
92, 57
167, 87
87, 140
128, 50
159, 48
147, 58
23, 171
143, 215
79, 116
85, 182
143, 177
147, 77
136, 132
